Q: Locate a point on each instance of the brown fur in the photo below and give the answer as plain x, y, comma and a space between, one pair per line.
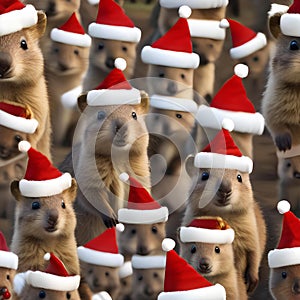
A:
7, 281
239, 209
25, 83
88, 13
285, 287
31, 239
141, 239
101, 192
126, 288
101, 60
101, 278
147, 283
221, 266
65, 66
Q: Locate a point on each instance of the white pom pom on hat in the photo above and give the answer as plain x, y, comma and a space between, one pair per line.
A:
168, 244
184, 11
124, 177
120, 227
120, 63
47, 256
241, 70
283, 206
224, 23
24, 146
228, 124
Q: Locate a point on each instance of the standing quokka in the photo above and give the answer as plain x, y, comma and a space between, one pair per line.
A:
232, 102
206, 244
100, 262
114, 140
22, 67
52, 283
144, 221
44, 217
284, 262
223, 188
113, 35
66, 62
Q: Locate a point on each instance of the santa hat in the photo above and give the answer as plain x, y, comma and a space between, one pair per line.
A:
207, 230
209, 29
194, 4
71, 33
41, 179
232, 102
288, 249
141, 208
222, 153
8, 260
17, 117
55, 277
174, 49
15, 16
148, 262
245, 41
114, 89
102, 250
125, 270
182, 281
113, 24
290, 21
69, 98
173, 103
101, 296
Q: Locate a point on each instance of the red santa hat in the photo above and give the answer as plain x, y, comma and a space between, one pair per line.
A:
222, 153
207, 230
17, 117
288, 249
113, 24
209, 29
148, 261
15, 16
232, 102
182, 281
41, 179
8, 260
245, 41
174, 49
173, 103
125, 270
102, 250
290, 21
55, 277
194, 4
114, 89
71, 33
141, 208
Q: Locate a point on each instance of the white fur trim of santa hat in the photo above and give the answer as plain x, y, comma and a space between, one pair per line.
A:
277, 8
284, 257
289, 24
138, 216
18, 123
93, 2
194, 4
19, 283
101, 296
212, 117
8, 260
214, 292
70, 38
45, 188
204, 235
249, 47
125, 270
173, 103
110, 32
16, 20
209, 160
169, 58
69, 98
100, 258
148, 262
49, 281
206, 29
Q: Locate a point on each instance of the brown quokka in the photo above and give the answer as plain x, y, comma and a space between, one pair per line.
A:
44, 217
22, 69
223, 188
206, 244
